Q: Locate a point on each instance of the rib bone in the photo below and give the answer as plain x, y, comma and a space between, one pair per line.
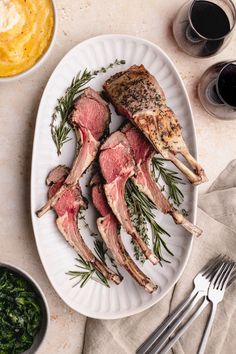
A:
108, 227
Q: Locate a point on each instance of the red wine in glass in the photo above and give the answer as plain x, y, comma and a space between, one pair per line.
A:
211, 22
217, 90
226, 85
202, 27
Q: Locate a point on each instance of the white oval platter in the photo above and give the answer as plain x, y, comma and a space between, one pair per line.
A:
95, 300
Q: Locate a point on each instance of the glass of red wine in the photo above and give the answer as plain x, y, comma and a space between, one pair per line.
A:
203, 28
217, 90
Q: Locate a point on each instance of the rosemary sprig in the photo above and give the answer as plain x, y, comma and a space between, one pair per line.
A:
64, 107
170, 178
100, 250
86, 272
65, 103
141, 211
138, 220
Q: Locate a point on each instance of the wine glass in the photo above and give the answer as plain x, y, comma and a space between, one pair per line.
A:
217, 90
203, 28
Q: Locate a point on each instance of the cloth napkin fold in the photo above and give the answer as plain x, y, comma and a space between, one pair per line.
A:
217, 217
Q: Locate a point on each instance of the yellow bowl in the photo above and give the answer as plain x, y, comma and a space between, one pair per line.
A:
42, 58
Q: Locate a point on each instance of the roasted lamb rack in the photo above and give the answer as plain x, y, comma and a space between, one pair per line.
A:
90, 119
136, 95
117, 166
109, 229
67, 208
143, 153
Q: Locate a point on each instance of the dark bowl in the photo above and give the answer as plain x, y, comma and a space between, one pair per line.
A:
38, 339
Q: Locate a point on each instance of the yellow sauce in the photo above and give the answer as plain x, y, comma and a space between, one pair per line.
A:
28, 39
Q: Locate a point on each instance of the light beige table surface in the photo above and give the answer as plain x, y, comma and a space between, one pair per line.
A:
79, 20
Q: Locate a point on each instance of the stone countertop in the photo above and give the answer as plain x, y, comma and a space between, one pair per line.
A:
79, 20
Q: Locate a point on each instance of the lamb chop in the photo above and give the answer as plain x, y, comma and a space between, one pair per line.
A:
117, 166
136, 95
67, 207
108, 227
90, 118
143, 153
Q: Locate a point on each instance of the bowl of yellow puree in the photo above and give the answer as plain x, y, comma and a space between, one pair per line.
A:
27, 33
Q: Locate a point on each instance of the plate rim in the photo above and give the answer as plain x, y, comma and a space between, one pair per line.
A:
125, 313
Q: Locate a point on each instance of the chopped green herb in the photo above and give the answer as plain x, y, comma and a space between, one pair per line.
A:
20, 313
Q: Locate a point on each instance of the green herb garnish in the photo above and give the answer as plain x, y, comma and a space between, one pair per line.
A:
141, 211
102, 252
110, 66
64, 106
20, 313
170, 178
100, 249
138, 220
86, 272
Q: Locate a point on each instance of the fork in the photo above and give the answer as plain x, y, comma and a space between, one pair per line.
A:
220, 279
201, 285
215, 295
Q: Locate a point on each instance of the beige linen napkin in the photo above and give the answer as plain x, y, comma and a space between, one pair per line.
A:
217, 217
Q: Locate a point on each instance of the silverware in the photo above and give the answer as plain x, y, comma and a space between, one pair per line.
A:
215, 295
216, 279
220, 281
184, 328
201, 285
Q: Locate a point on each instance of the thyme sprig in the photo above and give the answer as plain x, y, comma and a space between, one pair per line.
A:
60, 131
110, 66
85, 273
141, 210
170, 178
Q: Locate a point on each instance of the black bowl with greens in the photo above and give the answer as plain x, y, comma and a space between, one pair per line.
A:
24, 312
